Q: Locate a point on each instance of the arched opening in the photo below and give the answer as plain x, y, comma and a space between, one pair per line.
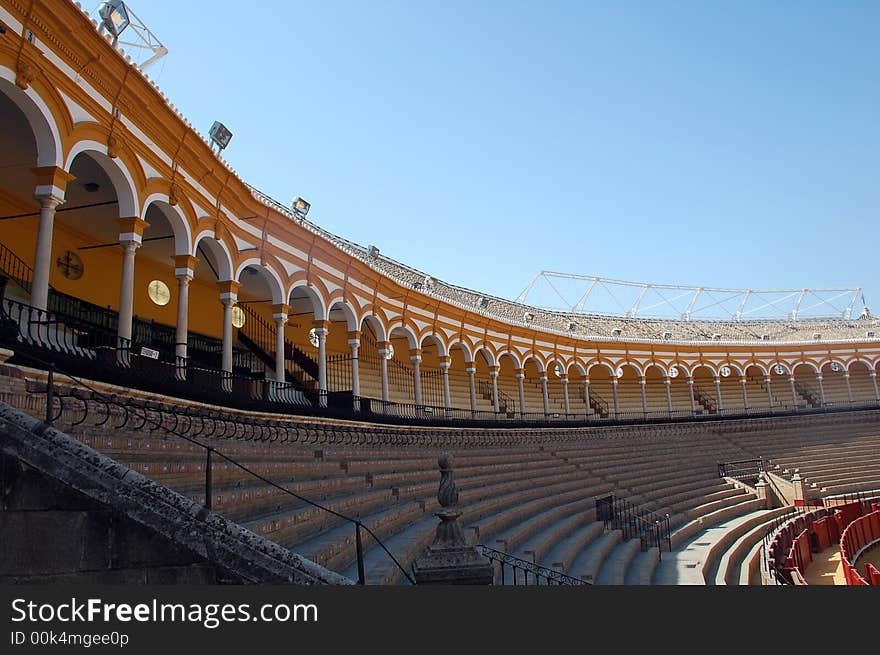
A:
860, 381
705, 395
756, 389
731, 389
342, 328
433, 394
369, 360
577, 391
401, 387
483, 363
556, 389
780, 386
601, 391
679, 391
835, 383
508, 385
655, 390
533, 370
629, 391
460, 359
806, 385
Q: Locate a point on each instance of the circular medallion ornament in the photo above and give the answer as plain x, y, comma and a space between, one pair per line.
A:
70, 265
673, 371
159, 292
389, 351
725, 371
835, 367
237, 317
779, 369
313, 338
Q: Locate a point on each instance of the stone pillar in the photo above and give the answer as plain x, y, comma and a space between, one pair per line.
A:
565, 403
586, 384
848, 386
668, 384
544, 394
383, 370
49, 192
445, 363
761, 492
821, 389
769, 393
690, 383
449, 560
228, 298
279, 315
742, 384
321, 329
644, 392
126, 301
493, 374
719, 404
473, 387
354, 343
614, 397
873, 375
520, 376
183, 271
415, 356
793, 390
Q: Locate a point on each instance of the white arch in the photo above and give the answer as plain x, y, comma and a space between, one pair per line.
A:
351, 320
441, 347
576, 364
806, 363
633, 366
377, 325
664, 371
221, 253
538, 363
756, 365
598, 362
517, 362
468, 355
859, 360
319, 305
116, 170
39, 116
179, 225
275, 284
704, 365
407, 332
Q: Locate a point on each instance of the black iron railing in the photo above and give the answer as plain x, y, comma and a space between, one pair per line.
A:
15, 268
151, 416
598, 404
745, 469
511, 570
635, 522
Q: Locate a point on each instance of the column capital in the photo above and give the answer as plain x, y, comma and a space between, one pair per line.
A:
131, 228
415, 352
52, 183
354, 335
470, 370
614, 381
229, 289
871, 374
543, 377
184, 265
520, 376
690, 382
354, 343
666, 380
280, 308
184, 274
130, 246
493, 371
846, 374
642, 380
322, 324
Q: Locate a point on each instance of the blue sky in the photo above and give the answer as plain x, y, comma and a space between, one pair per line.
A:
732, 144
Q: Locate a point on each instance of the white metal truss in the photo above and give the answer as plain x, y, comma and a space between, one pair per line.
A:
583, 294
146, 42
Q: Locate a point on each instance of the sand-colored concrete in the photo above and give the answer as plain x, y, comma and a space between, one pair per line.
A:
826, 568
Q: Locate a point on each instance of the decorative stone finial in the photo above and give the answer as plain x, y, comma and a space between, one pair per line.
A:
447, 495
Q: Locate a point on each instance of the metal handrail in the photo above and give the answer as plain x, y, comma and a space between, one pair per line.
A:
209, 452
536, 570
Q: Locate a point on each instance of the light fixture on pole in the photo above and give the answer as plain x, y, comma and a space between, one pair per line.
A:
300, 207
114, 18
220, 135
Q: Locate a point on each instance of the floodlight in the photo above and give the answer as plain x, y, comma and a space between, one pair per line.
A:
300, 207
114, 17
220, 135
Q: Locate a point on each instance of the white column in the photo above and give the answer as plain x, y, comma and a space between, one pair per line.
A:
793, 391
417, 378
493, 374
520, 376
321, 333
586, 384
354, 344
690, 383
742, 384
126, 298
544, 394
184, 277
43, 252
668, 384
769, 394
873, 375
719, 404
383, 372
444, 372
280, 319
228, 300
473, 389
614, 397
565, 403
642, 383
821, 389
848, 387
